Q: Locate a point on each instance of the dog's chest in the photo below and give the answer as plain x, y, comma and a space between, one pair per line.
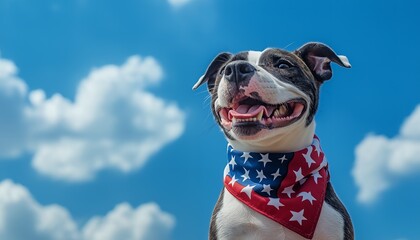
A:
236, 221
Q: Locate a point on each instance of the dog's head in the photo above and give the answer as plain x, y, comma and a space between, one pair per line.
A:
260, 95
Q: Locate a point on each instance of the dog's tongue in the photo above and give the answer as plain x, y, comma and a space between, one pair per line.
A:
250, 111
247, 109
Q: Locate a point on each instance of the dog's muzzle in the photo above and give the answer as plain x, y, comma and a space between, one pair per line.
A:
248, 116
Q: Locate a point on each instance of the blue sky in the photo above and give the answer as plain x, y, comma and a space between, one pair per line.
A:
101, 136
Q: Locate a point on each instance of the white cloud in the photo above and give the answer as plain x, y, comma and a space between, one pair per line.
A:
381, 160
178, 3
124, 222
113, 122
22, 218
12, 101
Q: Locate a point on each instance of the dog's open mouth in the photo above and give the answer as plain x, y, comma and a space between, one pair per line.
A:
250, 115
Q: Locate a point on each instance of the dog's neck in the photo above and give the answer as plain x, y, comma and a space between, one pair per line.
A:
289, 141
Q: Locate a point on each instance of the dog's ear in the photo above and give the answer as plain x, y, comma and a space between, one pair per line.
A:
318, 57
212, 71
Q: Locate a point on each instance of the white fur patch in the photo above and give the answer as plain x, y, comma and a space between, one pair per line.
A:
254, 57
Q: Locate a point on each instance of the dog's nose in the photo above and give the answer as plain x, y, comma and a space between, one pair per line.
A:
239, 71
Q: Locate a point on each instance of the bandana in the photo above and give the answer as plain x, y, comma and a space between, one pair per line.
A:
288, 188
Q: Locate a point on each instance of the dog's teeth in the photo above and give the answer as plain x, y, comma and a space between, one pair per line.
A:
282, 109
238, 120
259, 116
276, 113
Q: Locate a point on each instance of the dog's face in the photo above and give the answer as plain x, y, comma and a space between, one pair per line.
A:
257, 95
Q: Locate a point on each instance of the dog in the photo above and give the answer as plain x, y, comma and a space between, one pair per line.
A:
276, 182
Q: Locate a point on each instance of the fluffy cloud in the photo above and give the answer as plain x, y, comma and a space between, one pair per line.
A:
22, 218
12, 102
178, 3
381, 160
113, 121
124, 222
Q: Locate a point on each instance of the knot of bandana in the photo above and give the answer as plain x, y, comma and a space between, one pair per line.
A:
288, 188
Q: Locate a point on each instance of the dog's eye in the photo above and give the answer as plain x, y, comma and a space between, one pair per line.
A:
283, 64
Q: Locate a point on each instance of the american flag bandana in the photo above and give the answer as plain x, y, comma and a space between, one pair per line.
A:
288, 188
